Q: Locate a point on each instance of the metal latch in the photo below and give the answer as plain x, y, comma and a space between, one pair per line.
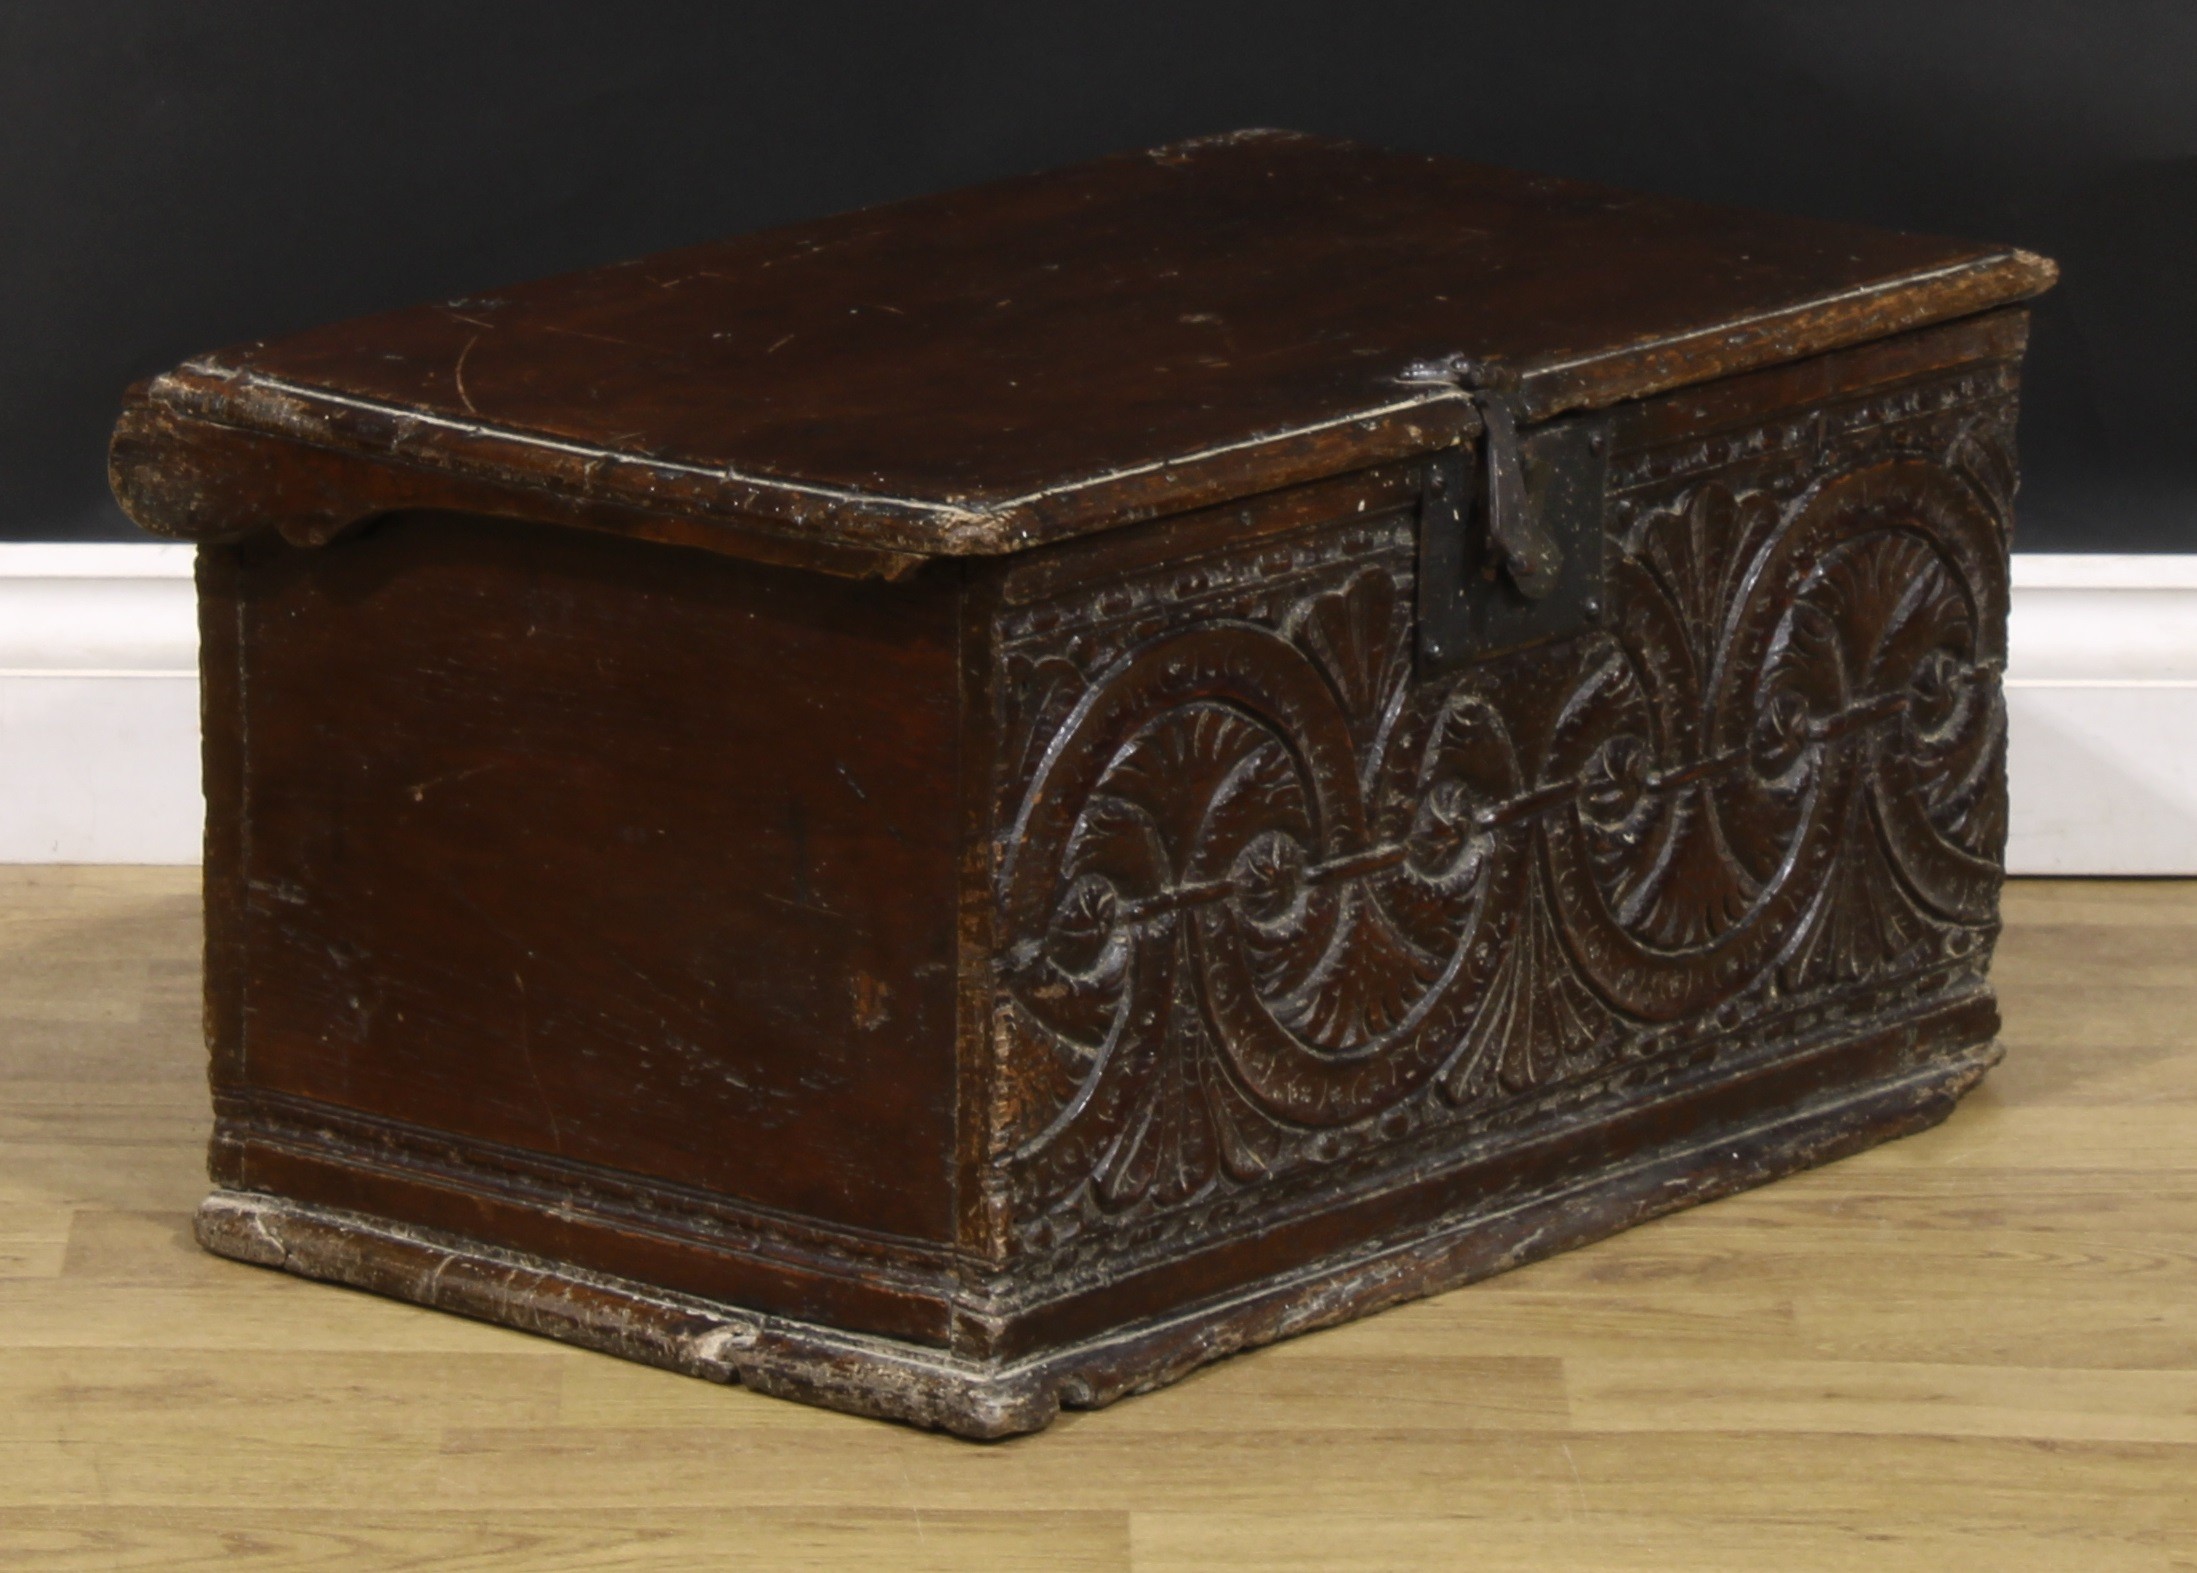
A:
1510, 534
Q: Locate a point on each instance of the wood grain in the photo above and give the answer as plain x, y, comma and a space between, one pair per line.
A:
1280, 864
1080, 965
1031, 360
1976, 1347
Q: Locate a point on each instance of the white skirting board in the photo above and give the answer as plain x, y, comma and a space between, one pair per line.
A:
98, 705
2101, 707
99, 710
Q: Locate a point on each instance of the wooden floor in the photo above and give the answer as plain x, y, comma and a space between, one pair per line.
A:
1976, 1348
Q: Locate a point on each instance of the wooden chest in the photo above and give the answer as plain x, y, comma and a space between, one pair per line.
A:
964, 807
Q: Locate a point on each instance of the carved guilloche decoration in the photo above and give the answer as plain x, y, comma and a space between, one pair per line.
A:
960, 808
1271, 897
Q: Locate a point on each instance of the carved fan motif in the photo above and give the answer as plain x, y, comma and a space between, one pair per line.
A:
1717, 746
1269, 900
1198, 832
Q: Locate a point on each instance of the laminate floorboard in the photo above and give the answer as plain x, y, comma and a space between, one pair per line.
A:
1973, 1348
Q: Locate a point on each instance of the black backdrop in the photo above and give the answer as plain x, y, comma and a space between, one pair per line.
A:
176, 176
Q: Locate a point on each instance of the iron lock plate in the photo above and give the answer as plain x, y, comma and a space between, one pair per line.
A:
1485, 533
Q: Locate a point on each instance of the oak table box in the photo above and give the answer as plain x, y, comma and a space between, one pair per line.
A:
963, 807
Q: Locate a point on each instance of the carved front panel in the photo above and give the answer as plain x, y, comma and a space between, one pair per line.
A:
1279, 915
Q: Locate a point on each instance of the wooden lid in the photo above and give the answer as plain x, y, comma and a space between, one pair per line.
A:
984, 370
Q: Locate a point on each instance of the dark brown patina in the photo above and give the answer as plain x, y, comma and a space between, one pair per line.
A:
964, 807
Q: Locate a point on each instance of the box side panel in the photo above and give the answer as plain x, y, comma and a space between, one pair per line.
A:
221, 769
598, 872
1294, 931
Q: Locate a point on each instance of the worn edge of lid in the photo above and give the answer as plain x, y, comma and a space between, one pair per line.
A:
1425, 415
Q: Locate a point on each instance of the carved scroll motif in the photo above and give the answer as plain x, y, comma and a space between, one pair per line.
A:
1269, 903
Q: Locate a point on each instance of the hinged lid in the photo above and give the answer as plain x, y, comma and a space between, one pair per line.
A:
1015, 363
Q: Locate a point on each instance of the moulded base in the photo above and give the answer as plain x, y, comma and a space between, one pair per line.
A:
933, 1387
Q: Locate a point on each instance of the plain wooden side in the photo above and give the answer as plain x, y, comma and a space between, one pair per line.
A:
607, 856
